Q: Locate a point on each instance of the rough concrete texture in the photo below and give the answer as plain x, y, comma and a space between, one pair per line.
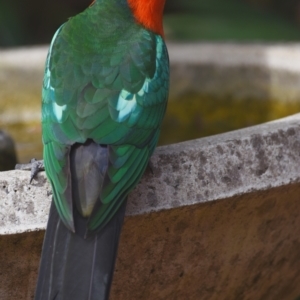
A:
224, 70
216, 167
246, 247
19, 261
178, 242
23, 206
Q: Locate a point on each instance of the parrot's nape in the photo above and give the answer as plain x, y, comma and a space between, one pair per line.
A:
104, 96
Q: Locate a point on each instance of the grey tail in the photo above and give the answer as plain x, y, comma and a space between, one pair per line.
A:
74, 268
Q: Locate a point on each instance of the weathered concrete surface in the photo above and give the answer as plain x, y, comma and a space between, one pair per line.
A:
178, 242
245, 247
19, 261
212, 168
23, 206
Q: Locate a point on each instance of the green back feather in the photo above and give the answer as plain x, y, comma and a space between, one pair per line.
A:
106, 79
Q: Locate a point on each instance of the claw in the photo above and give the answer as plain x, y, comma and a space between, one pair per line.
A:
150, 167
35, 166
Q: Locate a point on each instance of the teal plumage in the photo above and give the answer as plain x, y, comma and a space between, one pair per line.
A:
106, 79
104, 96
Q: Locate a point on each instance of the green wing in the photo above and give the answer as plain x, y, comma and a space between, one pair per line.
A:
115, 94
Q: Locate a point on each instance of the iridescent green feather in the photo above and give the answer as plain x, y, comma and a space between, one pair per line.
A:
106, 79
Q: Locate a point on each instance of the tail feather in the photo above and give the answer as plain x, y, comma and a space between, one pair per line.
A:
76, 268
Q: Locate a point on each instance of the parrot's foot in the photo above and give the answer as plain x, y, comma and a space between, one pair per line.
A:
150, 167
35, 166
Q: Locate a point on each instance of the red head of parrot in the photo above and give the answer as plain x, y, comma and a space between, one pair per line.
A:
149, 13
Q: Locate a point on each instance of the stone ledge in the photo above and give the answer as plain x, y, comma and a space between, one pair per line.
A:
177, 241
217, 167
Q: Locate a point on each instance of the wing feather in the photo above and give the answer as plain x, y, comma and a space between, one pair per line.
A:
114, 97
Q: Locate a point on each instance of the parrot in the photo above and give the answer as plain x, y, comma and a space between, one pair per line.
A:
104, 96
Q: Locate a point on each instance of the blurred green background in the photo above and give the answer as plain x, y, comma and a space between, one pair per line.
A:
33, 22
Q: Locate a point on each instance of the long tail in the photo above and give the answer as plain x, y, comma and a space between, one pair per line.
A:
76, 268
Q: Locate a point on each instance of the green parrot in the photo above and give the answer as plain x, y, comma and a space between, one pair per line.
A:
104, 96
